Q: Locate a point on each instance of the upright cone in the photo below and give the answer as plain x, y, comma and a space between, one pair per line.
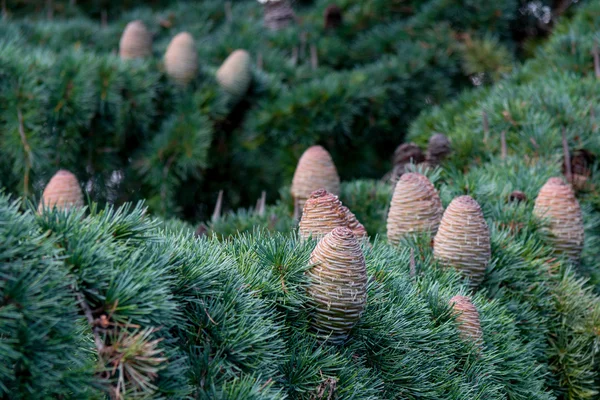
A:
467, 317
278, 14
323, 212
354, 225
235, 75
338, 288
315, 170
63, 192
463, 239
438, 149
556, 202
181, 59
136, 41
415, 208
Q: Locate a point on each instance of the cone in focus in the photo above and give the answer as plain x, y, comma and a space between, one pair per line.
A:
323, 212
315, 170
438, 149
136, 41
63, 192
557, 203
463, 239
234, 75
415, 208
181, 59
354, 225
467, 317
338, 288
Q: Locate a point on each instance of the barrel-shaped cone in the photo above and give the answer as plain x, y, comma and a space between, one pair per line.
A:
315, 170
467, 316
136, 41
235, 75
62, 192
181, 59
323, 212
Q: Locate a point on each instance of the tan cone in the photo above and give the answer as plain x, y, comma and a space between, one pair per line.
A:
181, 59
315, 170
235, 75
338, 288
463, 239
63, 192
136, 41
415, 208
467, 316
557, 203
354, 225
322, 213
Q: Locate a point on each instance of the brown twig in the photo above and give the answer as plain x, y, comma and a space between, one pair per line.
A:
262, 206
217, 213
314, 57
503, 147
413, 266
228, 12
27, 150
104, 18
296, 209
259, 61
88, 314
295, 55
596, 60
567, 155
486, 127
49, 10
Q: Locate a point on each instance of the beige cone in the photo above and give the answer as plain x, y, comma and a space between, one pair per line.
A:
415, 208
315, 170
181, 59
467, 317
463, 239
235, 75
557, 203
322, 213
338, 288
136, 41
63, 192
354, 225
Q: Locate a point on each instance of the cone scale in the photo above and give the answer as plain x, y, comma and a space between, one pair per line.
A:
315, 170
62, 192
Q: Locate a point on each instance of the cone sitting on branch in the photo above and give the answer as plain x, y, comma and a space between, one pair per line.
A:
405, 154
62, 192
415, 208
438, 149
463, 239
315, 170
136, 41
181, 59
278, 14
323, 212
354, 225
557, 203
467, 317
235, 75
338, 288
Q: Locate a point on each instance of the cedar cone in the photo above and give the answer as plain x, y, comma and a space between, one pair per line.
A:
517, 196
333, 16
581, 162
403, 156
468, 319
438, 149
415, 208
136, 41
181, 59
234, 75
315, 170
63, 192
463, 239
278, 14
322, 213
338, 288
556, 202
353, 224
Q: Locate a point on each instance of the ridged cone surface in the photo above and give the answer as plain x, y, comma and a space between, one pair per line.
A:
63, 192
557, 203
354, 225
181, 59
463, 239
136, 41
323, 212
467, 317
338, 288
315, 170
415, 208
234, 75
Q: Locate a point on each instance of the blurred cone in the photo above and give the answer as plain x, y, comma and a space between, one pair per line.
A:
463, 239
467, 317
235, 75
415, 208
278, 14
181, 59
63, 192
338, 288
136, 41
405, 154
315, 170
438, 149
556, 202
322, 213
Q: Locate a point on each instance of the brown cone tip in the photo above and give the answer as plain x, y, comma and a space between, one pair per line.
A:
415, 208
463, 239
62, 192
356, 227
517, 196
338, 288
467, 317
557, 203
234, 75
181, 58
315, 170
321, 214
136, 41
